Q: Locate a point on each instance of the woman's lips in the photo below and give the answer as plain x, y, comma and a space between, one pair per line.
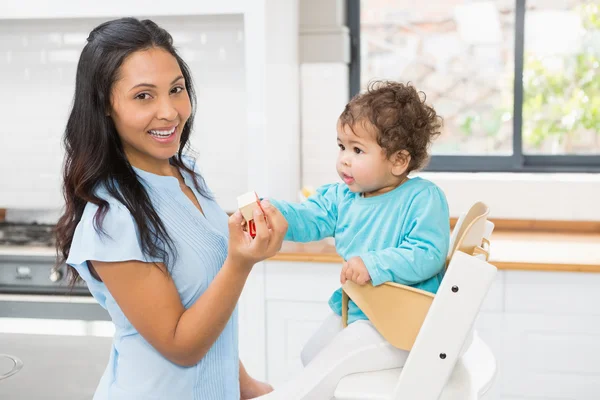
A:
164, 136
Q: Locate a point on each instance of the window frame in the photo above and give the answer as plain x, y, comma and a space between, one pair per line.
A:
516, 162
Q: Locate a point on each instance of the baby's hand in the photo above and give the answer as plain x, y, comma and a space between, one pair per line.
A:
355, 270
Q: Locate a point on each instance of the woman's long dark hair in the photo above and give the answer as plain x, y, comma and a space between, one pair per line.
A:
94, 153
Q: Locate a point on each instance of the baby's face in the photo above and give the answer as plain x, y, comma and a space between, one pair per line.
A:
362, 163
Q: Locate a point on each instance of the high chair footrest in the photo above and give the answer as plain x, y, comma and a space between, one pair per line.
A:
471, 378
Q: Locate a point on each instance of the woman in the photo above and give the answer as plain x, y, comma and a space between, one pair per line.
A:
142, 229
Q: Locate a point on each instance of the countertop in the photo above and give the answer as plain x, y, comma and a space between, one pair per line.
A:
510, 250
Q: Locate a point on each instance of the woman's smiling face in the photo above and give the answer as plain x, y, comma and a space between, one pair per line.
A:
150, 106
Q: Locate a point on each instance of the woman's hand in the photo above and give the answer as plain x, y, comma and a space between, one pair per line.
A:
250, 388
271, 228
254, 388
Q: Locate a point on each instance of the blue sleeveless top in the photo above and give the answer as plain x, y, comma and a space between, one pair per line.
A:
135, 369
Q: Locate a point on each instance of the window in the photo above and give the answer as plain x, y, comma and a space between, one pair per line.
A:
517, 82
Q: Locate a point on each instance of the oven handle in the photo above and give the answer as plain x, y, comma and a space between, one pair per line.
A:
47, 306
38, 298
16, 368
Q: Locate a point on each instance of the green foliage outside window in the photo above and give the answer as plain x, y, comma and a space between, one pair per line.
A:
561, 96
561, 102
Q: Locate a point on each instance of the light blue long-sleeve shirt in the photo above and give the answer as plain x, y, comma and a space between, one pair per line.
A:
402, 236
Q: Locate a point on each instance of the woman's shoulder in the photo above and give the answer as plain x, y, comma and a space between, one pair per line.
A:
106, 232
114, 206
107, 216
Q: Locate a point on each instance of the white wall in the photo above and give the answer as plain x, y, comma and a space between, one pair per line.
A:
38, 62
319, 144
325, 54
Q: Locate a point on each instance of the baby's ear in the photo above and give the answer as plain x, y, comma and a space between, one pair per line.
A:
400, 162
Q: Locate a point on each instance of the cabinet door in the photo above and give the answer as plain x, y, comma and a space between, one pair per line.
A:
252, 314
551, 330
296, 303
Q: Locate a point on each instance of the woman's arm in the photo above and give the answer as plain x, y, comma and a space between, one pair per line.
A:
149, 299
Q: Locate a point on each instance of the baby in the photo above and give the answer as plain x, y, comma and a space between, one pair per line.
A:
387, 227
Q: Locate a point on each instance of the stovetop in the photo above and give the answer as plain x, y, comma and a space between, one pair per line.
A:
27, 260
15, 234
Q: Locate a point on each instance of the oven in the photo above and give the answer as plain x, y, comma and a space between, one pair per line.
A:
54, 340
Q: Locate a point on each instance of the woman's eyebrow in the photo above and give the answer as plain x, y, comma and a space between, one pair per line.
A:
154, 86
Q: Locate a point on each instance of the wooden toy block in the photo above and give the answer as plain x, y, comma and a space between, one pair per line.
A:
247, 203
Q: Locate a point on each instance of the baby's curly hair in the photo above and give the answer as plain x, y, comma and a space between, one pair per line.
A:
402, 119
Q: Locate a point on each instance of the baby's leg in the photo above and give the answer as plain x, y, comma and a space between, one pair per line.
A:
331, 326
358, 348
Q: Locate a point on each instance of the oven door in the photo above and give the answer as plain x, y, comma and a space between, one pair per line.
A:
63, 343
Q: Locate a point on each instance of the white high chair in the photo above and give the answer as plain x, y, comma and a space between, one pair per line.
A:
447, 359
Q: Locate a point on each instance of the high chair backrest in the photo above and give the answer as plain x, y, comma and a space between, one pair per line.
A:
471, 232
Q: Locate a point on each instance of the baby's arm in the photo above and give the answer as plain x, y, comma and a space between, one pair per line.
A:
313, 219
422, 253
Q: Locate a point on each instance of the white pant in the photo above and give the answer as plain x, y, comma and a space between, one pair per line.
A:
332, 353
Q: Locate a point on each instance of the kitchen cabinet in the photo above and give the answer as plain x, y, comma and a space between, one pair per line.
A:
542, 326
